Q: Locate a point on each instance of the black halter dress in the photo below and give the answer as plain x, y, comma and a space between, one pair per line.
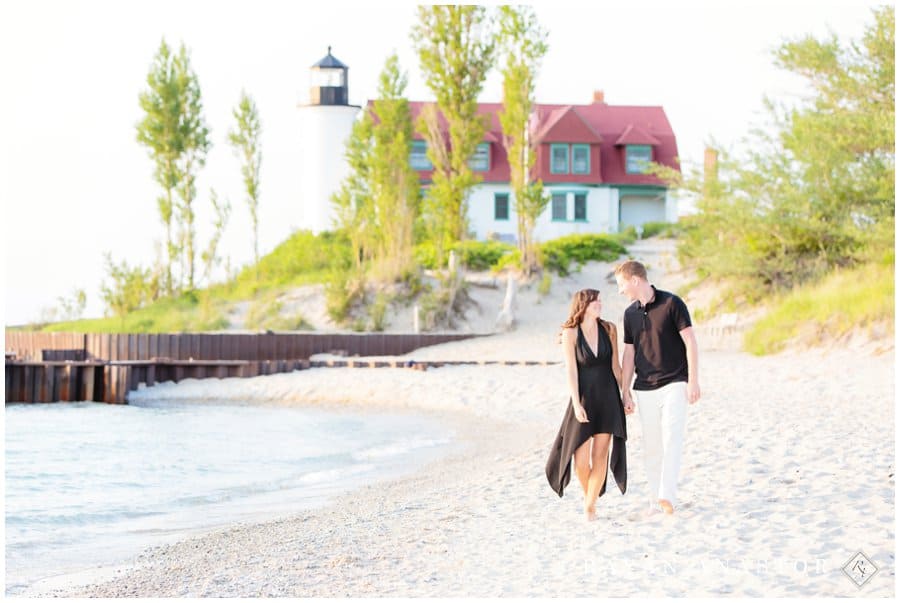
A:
603, 403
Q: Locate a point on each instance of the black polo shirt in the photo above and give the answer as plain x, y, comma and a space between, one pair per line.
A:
660, 357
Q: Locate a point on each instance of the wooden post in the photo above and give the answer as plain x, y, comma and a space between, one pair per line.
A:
88, 383
43, 383
66, 383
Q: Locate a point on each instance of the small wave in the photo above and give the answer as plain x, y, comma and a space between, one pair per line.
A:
78, 519
316, 477
397, 448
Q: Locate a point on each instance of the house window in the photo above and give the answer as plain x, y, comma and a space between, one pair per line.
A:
637, 156
418, 160
559, 159
501, 206
580, 207
481, 159
558, 203
581, 159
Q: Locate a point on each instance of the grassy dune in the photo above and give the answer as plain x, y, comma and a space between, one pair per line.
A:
827, 310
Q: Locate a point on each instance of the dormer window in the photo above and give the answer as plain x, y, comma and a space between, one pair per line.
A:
481, 158
578, 156
638, 158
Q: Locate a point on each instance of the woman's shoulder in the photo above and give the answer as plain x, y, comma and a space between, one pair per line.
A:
569, 333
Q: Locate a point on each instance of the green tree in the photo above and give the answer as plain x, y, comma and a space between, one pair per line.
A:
353, 202
523, 42
394, 184
816, 192
129, 288
456, 50
159, 132
377, 204
175, 133
245, 138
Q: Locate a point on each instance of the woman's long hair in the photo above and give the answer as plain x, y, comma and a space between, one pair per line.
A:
580, 302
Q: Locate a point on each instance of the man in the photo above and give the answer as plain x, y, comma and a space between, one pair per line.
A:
660, 347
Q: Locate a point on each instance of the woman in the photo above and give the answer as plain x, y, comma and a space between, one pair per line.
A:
595, 415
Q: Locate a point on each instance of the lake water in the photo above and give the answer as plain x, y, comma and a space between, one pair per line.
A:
94, 484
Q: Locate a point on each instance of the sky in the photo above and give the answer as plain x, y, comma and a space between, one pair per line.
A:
75, 183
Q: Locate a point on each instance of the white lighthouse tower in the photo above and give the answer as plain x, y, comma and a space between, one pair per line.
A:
325, 125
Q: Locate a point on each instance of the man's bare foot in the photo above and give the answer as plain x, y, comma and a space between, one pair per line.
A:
666, 506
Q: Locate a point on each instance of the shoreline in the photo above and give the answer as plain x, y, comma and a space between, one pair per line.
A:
69, 578
774, 498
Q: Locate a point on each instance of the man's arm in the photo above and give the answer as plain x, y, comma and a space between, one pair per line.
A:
690, 345
627, 376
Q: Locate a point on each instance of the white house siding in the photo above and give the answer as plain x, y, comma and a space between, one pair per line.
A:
671, 207
324, 129
636, 209
481, 213
602, 213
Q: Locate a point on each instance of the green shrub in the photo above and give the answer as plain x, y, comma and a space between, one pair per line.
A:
128, 288
625, 236
662, 229
512, 259
342, 291
474, 255
378, 311
558, 254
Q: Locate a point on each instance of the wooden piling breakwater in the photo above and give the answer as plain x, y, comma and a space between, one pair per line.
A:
66, 367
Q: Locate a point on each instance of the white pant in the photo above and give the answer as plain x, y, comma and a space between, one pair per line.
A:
662, 419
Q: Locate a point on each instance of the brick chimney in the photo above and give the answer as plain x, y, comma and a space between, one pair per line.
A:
598, 96
710, 169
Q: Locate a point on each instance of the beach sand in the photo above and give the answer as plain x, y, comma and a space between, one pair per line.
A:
787, 473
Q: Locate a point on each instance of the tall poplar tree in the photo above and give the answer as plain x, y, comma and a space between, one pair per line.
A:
159, 132
175, 133
455, 46
523, 43
377, 204
245, 138
394, 183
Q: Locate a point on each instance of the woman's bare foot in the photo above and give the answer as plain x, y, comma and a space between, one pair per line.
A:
590, 513
666, 506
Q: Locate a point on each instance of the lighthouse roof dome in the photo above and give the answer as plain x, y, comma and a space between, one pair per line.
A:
330, 62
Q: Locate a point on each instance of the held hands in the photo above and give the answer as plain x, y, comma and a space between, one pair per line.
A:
627, 402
